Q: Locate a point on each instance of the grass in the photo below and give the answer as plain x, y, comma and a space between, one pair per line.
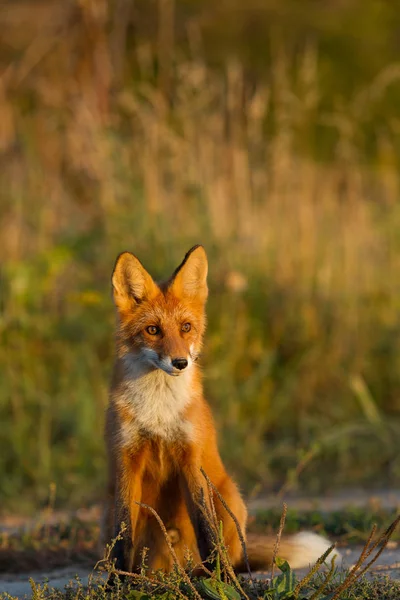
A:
222, 583
364, 589
302, 355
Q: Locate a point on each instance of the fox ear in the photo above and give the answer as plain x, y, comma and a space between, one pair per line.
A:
131, 282
190, 278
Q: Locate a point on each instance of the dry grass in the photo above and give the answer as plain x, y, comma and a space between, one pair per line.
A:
303, 345
223, 582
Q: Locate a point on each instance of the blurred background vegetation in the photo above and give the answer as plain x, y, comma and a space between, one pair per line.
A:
267, 130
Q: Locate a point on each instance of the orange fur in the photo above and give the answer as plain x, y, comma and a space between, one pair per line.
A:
159, 428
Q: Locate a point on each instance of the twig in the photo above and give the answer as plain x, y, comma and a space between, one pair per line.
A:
326, 582
210, 494
109, 548
389, 532
314, 569
219, 544
233, 517
278, 538
354, 575
146, 579
224, 556
386, 534
172, 551
209, 512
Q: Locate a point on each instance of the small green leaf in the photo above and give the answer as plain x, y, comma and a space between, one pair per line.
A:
217, 589
137, 595
282, 564
285, 583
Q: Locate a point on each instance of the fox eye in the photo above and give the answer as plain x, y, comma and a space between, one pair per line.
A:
153, 329
186, 327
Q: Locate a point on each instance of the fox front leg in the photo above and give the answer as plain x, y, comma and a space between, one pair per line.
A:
128, 494
122, 551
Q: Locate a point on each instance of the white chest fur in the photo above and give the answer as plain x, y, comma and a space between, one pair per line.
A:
157, 402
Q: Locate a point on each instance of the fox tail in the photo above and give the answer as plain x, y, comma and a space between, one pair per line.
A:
300, 550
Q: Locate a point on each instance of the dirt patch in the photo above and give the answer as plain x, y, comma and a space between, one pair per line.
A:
19, 585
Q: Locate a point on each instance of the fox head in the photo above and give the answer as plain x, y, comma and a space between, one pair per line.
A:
161, 325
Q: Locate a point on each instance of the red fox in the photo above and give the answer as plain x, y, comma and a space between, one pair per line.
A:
160, 431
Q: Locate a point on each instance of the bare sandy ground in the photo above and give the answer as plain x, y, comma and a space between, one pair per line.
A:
19, 585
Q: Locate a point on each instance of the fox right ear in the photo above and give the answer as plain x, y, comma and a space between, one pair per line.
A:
190, 279
131, 282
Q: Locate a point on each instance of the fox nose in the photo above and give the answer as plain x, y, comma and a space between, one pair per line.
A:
180, 363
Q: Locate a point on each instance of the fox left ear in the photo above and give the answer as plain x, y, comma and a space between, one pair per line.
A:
131, 283
190, 278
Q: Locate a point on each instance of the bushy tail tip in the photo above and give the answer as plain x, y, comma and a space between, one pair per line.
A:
307, 547
300, 550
